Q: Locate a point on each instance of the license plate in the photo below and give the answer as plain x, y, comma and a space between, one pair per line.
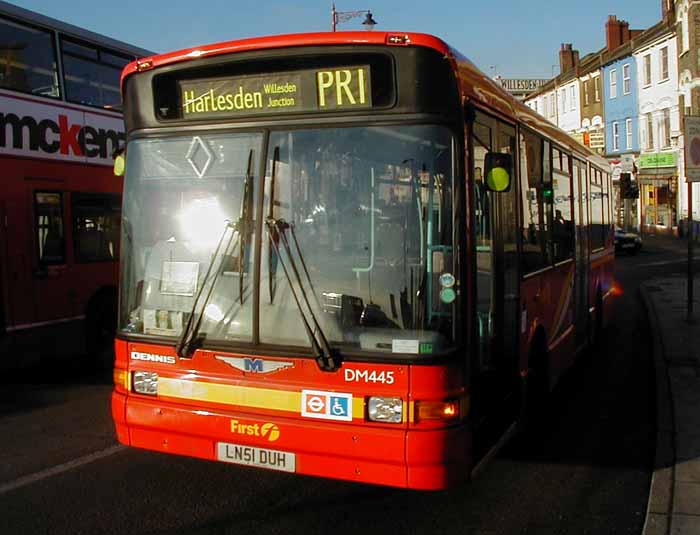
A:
260, 457
627, 245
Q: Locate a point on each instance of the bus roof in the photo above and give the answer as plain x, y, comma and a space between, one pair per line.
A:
285, 41
475, 86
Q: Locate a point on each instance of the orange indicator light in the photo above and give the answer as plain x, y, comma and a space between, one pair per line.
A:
121, 380
437, 410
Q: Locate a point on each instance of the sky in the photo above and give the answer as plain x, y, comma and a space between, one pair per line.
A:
510, 38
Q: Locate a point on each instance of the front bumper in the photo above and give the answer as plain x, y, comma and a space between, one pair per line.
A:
420, 459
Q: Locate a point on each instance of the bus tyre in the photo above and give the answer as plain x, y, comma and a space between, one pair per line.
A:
100, 328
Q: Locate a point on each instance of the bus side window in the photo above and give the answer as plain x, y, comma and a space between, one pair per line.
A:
49, 227
563, 222
536, 226
96, 226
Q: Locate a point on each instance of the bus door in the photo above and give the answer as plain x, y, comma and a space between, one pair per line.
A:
52, 294
581, 315
494, 384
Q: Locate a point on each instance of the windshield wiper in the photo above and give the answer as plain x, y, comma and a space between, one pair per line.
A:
272, 265
326, 359
245, 223
188, 340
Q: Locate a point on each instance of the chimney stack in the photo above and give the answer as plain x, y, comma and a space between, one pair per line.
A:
617, 33
568, 58
668, 11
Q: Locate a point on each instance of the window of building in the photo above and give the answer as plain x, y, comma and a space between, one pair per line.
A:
597, 209
613, 83
96, 226
596, 87
647, 70
92, 74
626, 85
27, 60
563, 101
685, 35
50, 239
536, 205
650, 131
616, 136
628, 133
663, 60
665, 128
572, 97
585, 93
545, 109
552, 105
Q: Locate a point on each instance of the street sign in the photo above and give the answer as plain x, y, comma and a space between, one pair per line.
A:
692, 148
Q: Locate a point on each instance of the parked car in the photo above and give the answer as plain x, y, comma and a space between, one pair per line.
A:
628, 242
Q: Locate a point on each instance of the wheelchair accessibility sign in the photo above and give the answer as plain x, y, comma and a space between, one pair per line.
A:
326, 405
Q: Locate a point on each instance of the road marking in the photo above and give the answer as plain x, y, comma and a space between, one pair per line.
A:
59, 469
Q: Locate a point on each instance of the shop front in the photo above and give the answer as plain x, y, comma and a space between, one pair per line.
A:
658, 177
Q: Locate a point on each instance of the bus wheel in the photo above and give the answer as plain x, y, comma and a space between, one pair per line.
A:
100, 328
535, 389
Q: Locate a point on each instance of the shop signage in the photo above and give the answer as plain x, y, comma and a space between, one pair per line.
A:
692, 148
597, 140
615, 168
521, 85
657, 159
578, 136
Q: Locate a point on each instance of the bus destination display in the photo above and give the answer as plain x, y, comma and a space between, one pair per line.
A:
317, 90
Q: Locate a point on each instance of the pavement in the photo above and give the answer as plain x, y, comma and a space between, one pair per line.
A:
674, 498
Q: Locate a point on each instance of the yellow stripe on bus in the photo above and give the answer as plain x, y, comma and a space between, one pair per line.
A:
242, 396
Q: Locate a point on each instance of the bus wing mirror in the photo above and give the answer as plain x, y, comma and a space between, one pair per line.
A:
499, 170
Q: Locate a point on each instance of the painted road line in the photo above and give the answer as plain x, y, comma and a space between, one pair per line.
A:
59, 469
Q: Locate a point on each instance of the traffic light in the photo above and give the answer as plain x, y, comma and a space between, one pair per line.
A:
633, 191
625, 182
628, 189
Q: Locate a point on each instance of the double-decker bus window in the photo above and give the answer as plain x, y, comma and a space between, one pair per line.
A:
49, 227
370, 219
27, 59
91, 74
187, 231
535, 231
563, 221
597, 210
96, 225
607, 211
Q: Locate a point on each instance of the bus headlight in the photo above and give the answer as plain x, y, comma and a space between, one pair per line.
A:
145, 383
383, 409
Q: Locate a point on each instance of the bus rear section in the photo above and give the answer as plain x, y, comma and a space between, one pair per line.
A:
370, 423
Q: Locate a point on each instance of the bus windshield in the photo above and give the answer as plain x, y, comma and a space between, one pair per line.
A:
357, 220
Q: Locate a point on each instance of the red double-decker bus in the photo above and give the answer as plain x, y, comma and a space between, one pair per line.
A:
60, 203
349, 255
